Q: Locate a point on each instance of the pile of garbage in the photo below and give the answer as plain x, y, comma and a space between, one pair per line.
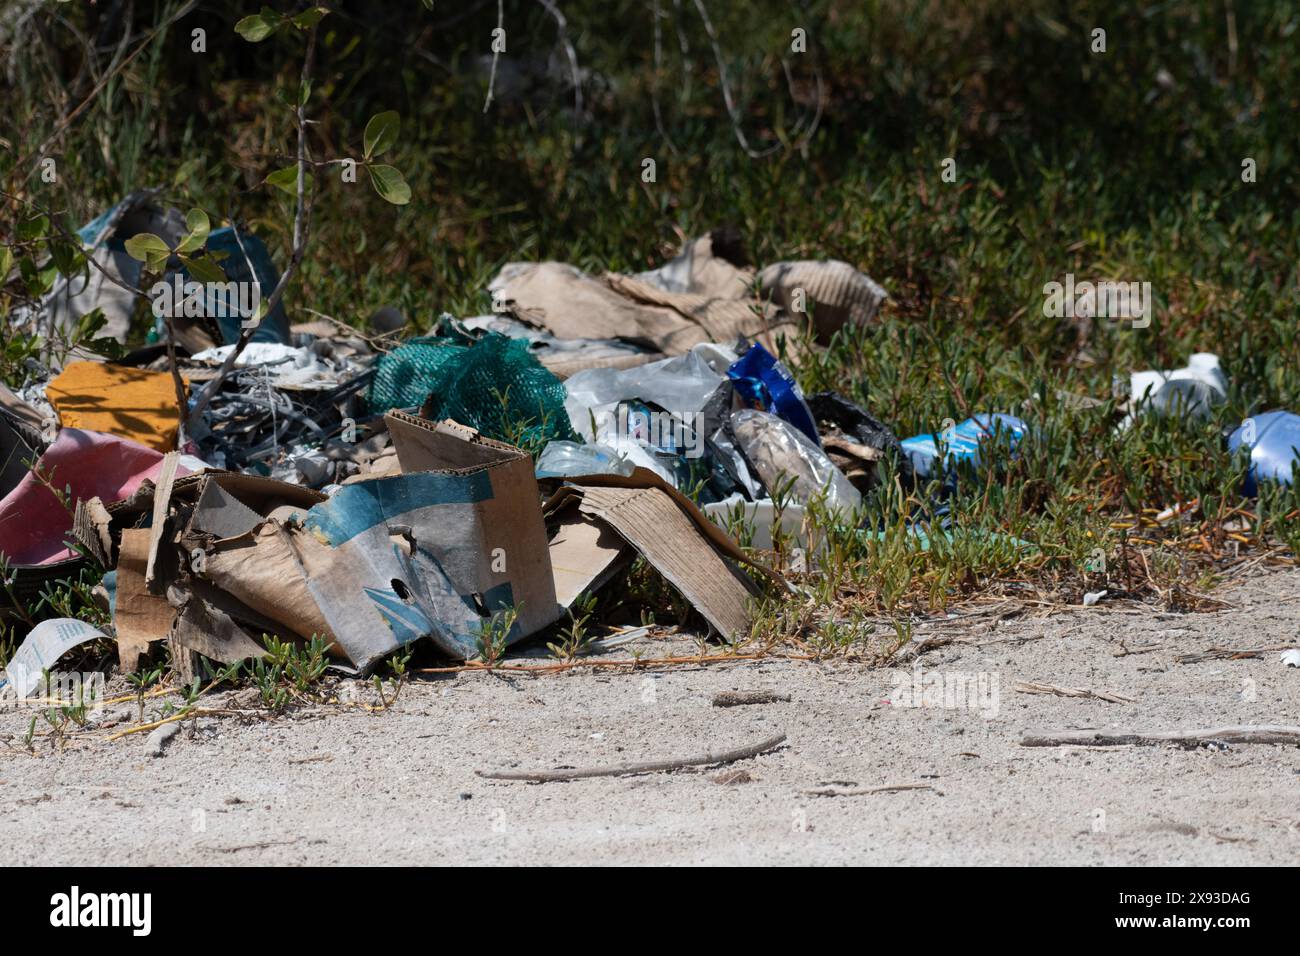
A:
464, 488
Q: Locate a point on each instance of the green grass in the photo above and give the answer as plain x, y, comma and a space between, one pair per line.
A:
1125, 165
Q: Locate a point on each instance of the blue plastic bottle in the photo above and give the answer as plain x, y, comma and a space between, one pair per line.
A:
1272, 438
963, 442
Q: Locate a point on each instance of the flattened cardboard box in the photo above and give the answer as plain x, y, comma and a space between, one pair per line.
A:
596, 515
478, 519
433, 551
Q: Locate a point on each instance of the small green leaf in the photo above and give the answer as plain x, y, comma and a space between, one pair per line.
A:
84, 335
67, 257
388, 182
309, 17
203, 269
286, 179
33, 228
89, 324
259, 26
196, 221
149, 249
37, 281
109, 348
304, 93
381, 132
6, 262
146, 244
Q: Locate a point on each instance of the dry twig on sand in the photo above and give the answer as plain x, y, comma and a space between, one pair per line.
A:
1033, 687
1230, 653
1261, 734
618, 770
891, 788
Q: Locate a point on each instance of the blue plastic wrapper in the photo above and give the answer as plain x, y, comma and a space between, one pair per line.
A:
1272, 438
274, 327
763, 383
963, 442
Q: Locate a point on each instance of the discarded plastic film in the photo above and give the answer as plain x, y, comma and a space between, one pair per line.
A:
41, 650
963, 442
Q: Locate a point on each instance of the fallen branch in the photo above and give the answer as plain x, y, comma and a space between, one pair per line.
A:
251, 846
1032, 687
914, 649
1231, 653
1261, 734
891, 788
1125, 650
619, 770
184, 715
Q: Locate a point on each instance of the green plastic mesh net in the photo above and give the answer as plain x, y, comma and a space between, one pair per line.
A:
495, 385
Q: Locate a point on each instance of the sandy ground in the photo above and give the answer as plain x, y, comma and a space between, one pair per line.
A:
345, 786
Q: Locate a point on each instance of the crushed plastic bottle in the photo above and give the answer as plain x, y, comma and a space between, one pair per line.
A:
1192, 390
776, 448
963, 442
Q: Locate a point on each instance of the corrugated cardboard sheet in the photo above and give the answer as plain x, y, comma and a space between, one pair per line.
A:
666, 528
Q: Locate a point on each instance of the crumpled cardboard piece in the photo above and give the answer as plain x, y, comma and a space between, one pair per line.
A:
139, 616
837, 293
572, 305
466, 509
435, 550
432, 551
585, 553
709, 318
91, 527
162, 497
231, 544
666, 528
221, 514
207, 624
261, 569
699, 296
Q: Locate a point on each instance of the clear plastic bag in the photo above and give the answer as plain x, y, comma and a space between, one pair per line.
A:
681, 385
567, 459
775, 447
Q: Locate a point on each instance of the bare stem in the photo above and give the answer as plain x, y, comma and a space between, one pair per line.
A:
301, 231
